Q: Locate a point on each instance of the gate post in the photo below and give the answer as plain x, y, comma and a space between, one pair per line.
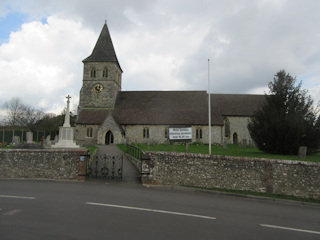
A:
82, 167
146, 169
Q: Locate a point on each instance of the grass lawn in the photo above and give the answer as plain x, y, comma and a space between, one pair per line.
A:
232, 150
91, 149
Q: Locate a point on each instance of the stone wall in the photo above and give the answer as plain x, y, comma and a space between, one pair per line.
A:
239, 125
110, 124
259, 175
42, 163
134, 133
81, 137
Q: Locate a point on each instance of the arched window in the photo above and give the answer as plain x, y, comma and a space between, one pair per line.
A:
226, 128
145, 132
199, 133
105, 72
89, 132
166, 132
93, 73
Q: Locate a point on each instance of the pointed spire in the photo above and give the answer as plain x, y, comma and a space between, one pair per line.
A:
104, 50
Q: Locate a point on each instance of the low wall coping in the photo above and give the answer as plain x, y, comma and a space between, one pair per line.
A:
223, 157
81, 150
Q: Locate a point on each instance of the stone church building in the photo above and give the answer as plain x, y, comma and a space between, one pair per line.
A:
107, 115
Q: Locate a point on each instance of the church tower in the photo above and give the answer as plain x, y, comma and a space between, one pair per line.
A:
101, 75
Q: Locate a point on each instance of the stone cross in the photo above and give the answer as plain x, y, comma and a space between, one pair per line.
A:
67, 116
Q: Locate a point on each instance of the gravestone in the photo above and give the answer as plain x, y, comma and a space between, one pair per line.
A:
302, 152
224, 146
16, 140
29, 137
244, 143
48, 141
29, 144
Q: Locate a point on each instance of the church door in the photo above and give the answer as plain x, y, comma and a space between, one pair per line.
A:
235, 138
109, 138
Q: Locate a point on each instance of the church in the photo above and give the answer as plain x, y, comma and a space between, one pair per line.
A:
108, 115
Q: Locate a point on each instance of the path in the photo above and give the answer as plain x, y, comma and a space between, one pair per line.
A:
130, 172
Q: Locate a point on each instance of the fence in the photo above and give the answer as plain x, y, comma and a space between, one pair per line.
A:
134, 151
7, 135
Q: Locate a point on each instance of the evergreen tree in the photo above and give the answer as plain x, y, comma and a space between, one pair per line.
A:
286, 120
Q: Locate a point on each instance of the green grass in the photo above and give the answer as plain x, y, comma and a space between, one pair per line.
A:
260, 194
232, 150
6, 147
91, 149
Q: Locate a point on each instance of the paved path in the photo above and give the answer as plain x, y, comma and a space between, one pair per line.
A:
130, 172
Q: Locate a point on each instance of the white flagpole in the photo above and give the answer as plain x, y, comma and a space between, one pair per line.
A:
209, 106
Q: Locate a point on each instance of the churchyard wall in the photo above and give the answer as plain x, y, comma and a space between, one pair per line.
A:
286, 177
42, 163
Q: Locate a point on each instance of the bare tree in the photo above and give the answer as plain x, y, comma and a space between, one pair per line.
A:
31, 116
14, 109
19, 114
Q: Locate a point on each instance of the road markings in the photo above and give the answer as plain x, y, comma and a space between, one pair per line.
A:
22, 197
290, 229
12, 212
151, 210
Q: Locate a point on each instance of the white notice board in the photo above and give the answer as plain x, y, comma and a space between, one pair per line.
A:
180, 133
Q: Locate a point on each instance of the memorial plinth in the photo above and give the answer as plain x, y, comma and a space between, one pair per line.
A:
66, 132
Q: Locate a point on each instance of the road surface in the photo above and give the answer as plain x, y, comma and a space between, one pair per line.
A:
99, 210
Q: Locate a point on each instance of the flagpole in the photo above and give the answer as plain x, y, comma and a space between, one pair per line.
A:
209, 106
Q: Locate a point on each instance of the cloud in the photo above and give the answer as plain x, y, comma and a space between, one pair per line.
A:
41, 63
162, 45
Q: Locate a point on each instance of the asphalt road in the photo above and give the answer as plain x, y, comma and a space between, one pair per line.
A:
91, 210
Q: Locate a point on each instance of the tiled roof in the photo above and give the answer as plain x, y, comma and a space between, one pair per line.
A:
173, 108
103, 50
92, 116
162, 107
236, 104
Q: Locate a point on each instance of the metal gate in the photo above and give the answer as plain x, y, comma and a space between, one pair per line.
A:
107, 167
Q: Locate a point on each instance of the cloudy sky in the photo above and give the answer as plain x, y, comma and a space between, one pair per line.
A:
160, 44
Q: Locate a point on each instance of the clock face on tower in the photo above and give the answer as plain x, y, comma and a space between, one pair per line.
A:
98, 88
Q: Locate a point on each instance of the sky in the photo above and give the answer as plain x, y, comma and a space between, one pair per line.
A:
160, 45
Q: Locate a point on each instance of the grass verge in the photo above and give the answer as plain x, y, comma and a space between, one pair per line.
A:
259, 194
232, 150
91, 149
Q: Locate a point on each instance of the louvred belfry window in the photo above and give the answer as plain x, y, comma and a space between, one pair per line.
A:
105, 73
93, 73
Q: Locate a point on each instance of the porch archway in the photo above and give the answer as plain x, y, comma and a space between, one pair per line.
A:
109, 138
235, 138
